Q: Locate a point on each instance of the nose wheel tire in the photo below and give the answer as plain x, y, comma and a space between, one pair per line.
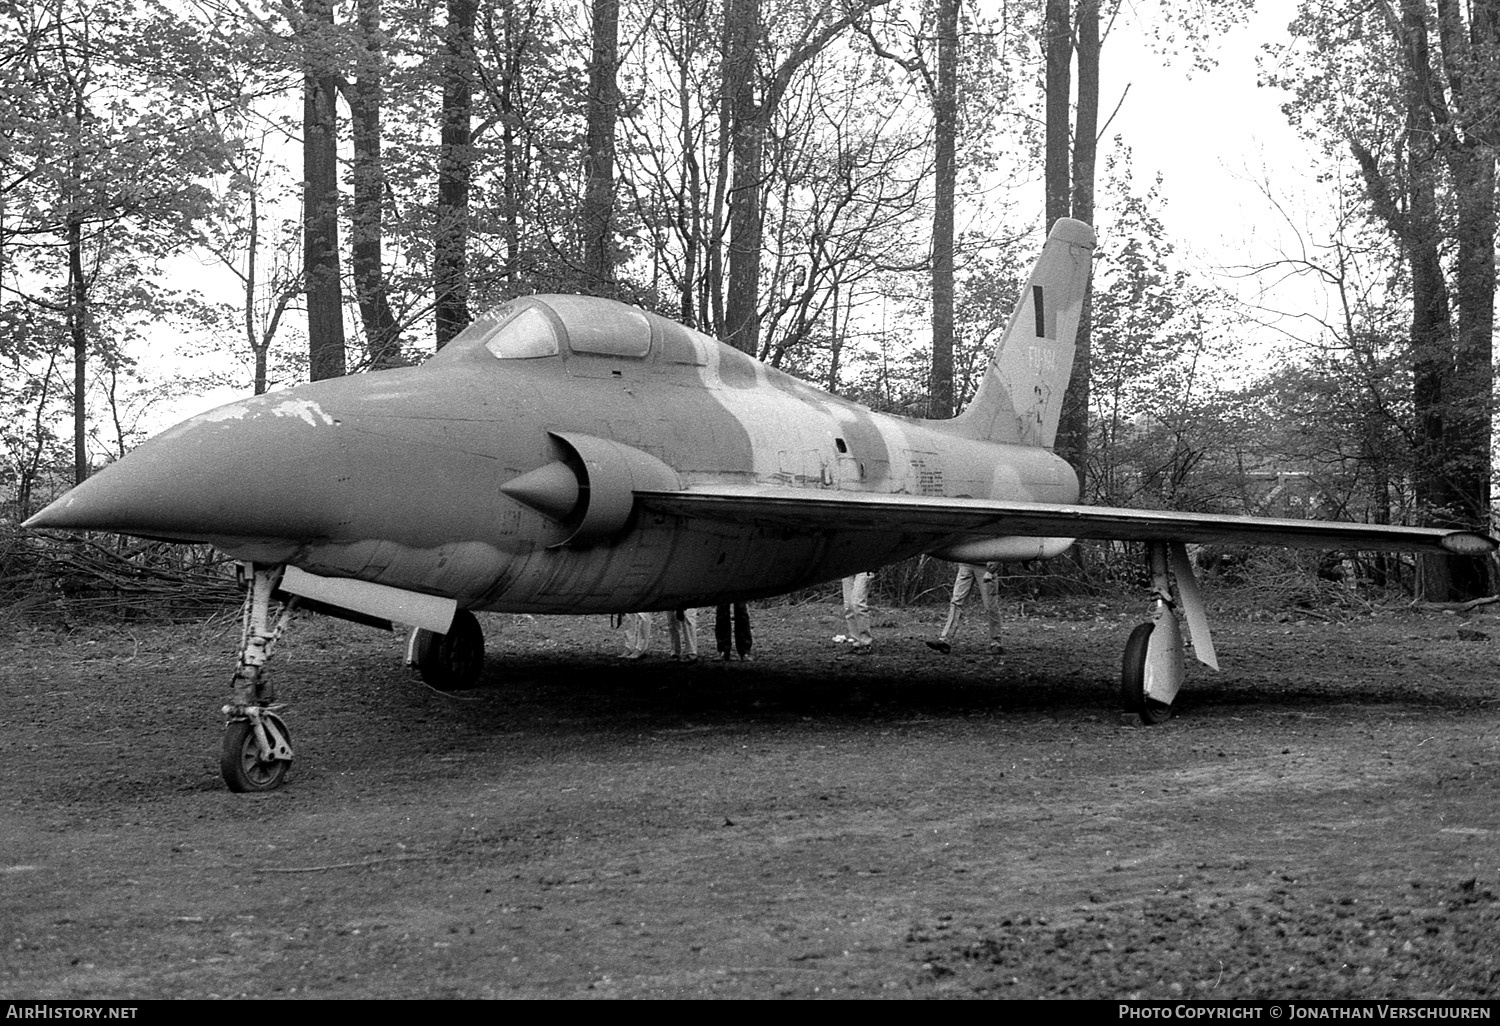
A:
239, 758
1133, 679
452, 661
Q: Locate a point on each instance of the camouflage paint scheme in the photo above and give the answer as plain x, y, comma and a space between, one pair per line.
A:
568, 454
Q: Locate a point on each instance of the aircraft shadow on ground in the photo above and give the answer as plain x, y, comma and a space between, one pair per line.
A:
605, 693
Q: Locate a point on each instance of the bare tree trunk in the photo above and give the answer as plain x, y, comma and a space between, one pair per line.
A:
599, 192
945, 111
1073, 427
510, 89
1057, 173
455, 166
741, 326
251, 285
320, 202
711, 297
748, 125
1058, 42
78, 332
690, 203
1469, 409
366, 232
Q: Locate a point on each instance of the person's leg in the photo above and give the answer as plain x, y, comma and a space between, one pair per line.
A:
963, 584
674, 631
689, 626
637, 634
849, 632
989, 592
859, 626
721, 631
742, 638
963, 581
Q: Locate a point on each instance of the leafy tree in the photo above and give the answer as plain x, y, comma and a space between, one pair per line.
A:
748, 112
1081, 29
960, 61
104, 155
1339, 408
1164, 433
1409, 89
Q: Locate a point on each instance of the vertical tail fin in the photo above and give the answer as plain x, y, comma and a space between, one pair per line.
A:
1020, 398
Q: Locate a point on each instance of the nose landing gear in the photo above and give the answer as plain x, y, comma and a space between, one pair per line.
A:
256, 750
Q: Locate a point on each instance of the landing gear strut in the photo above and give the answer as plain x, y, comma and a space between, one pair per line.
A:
452, 661
1152, 670
257, 750
1153, 666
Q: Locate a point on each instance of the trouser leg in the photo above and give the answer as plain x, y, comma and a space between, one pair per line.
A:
963, 583
742, 638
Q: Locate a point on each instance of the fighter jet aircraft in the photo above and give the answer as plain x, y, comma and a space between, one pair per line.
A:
568, 454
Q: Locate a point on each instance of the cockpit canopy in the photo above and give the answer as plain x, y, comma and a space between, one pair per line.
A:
529, 328
518, 334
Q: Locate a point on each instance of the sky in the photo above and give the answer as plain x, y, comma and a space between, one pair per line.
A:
1211, 133
1220, 140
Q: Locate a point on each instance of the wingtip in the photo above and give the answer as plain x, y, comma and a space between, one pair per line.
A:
1469, 543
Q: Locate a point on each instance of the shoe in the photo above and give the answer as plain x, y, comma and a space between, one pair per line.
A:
863, 647
726, 656
633, 655
745, 657
940, 646
690, 659
997, 648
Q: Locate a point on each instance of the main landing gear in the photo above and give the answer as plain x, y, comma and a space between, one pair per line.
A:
1153, 667
452, 661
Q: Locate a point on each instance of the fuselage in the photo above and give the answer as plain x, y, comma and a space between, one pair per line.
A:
398, 477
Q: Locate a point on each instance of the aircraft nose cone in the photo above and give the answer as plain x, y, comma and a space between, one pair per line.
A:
267, 468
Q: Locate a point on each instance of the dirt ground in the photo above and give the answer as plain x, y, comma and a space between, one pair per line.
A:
1319, 820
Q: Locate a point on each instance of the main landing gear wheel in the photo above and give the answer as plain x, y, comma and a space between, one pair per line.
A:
452, 661
240, 760
1133, 679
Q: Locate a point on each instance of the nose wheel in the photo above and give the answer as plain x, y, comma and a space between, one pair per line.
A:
256, 752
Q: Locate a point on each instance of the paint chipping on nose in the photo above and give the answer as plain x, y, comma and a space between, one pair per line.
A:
220, 414
304, 410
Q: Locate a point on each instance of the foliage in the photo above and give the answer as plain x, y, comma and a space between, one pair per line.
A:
1166, 433
103, 159
1409, 90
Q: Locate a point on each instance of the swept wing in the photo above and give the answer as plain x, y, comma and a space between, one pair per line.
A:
950, 520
